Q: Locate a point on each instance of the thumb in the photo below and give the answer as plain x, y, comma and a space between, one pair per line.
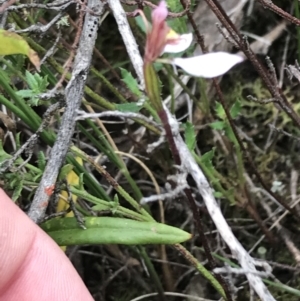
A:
33, 268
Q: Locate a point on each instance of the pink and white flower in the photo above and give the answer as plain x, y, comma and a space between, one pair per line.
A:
162, 39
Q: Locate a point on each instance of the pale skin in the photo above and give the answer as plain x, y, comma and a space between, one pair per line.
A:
32, 266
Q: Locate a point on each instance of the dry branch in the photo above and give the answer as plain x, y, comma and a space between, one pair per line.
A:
73, 94
128, 39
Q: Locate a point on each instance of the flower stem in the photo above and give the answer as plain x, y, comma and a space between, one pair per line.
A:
153, 91
152, 86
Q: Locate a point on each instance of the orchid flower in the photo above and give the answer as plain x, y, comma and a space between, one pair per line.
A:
162, 39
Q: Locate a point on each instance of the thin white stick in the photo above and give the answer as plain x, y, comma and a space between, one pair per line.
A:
191, 167
128, 39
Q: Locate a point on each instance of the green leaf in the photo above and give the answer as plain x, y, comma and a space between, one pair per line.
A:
177, 24
229, 133
81, 183
12, 43
217, 125
220, 111
207, 157
235, 109
190, 136
101, 207
140, 23
41, 160
31, 81
37, 83
33, 101
64, 21
3, 154
25, 93
37, 177
65, 171
116, 200
218, 194
111, 230
132, 107
18, 143
130, 82
17, 191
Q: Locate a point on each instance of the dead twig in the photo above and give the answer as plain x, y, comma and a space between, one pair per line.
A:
271, 6
74, 91
128, 39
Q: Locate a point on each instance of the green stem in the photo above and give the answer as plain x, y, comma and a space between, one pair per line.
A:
113, 183
152, 86
152, 273
108, 205
109, 85
204, 272
214, 177
182, 85
102, 144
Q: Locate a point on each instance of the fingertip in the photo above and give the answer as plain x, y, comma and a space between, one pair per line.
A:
16, 236
33, 267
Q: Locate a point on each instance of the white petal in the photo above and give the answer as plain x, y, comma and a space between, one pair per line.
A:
183, 43
208, 65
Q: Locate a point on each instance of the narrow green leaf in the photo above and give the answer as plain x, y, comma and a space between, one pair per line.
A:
141, 24
64, 171
17, 191
101, 207
41, 160
177, 24
31, 81
3, 154
207, 157
220, 111
190, 136
217, 125
18, 142
128, 107
235, 109
218, 194
130, 82
229, 133
25, 93
111, 230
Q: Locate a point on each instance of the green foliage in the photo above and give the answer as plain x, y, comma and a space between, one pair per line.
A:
131, 82
217, 125
178, 24
224, 124
141, 24
3, 154
235, 109
207, 157
37, 85
112, 230
17, 190
190, 136
41, 162
64, 21
65, 171
128, 107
